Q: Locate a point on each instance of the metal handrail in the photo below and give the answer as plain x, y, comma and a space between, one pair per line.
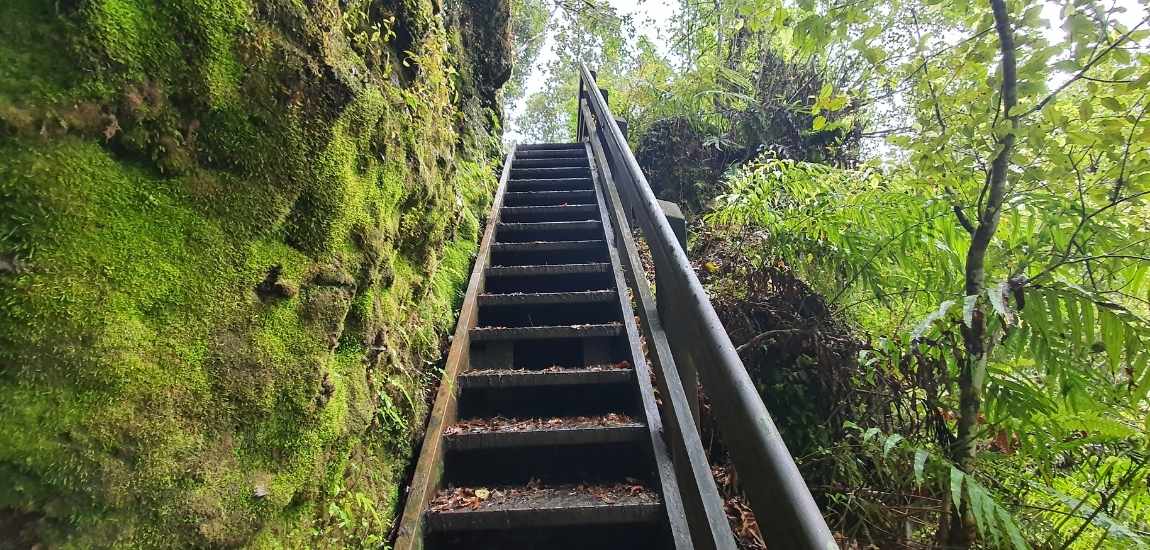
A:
782, 503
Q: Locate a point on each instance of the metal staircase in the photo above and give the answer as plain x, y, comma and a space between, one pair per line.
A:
554, 441
546, 431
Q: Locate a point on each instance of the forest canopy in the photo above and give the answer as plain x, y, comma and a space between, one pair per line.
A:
964, 186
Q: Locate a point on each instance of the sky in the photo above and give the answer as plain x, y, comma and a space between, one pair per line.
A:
652, 19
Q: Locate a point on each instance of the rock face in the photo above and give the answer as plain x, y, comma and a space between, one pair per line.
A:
232, 233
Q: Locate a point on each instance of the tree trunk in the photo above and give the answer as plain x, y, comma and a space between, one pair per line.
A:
972, 376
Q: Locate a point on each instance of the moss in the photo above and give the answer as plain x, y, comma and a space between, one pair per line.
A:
153, 177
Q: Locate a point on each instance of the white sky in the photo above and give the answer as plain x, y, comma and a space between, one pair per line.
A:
652, 19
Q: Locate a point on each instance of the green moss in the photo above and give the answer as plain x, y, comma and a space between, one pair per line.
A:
185, 153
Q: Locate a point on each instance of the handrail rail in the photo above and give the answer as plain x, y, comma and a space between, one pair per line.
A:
780, 499
703, 506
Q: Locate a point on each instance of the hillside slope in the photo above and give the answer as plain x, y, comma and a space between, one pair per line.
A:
231, 236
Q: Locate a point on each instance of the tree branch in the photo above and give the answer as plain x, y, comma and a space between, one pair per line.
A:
1081, 73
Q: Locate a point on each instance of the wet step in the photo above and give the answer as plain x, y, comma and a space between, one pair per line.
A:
542, 270
560, 212
548, 395
547, 198
549, 184
544, 315
488, 334
480, 508
580, 154
548, 252
502, 432
619, 373
549, 173
547, 298
551, 450
551, 162
629, 536
549, 231
565, 146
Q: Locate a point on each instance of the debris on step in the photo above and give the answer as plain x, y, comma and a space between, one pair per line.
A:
474, 498
503, 424
621, 365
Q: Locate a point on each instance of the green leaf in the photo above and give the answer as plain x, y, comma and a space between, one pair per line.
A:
1113, 334
819, 123
1112, 104
889, 444
1074, 320
920, 457
956, 477
1007, 522
977, 505
1085, 110
1054, 310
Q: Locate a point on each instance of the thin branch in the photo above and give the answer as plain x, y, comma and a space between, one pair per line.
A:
1081, 73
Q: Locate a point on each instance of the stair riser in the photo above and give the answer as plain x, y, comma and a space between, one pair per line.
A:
549, 213
552, 283
649, 535
550, 198
549, 257
559, 463
549, 234
547, 314
549, 173
568, 146
549, 184
552, 154
548, 401
550, 162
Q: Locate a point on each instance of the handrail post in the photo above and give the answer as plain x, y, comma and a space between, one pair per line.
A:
688, 374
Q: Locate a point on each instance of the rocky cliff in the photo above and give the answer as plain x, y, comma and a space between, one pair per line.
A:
232, 233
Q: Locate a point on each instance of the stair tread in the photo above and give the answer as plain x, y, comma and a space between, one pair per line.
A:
481, 334
546, 246
551, 154
547, 269
550, 146
554, 376
563, 172
500, 432
549, 162
552, 180
534, 226
558, 195
536, 298
546, 506
550, 208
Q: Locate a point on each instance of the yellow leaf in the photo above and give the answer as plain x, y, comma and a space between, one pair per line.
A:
482, 494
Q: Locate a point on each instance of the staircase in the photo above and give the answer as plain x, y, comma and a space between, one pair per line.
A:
546, 432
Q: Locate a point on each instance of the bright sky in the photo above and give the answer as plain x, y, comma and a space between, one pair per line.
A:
652, 19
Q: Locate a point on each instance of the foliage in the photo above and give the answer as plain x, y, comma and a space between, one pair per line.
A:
1070, 365
994, 253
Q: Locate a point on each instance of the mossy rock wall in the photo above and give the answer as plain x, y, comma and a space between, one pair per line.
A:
232, 237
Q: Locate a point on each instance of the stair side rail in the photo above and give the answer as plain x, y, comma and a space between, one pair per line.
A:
783, 505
